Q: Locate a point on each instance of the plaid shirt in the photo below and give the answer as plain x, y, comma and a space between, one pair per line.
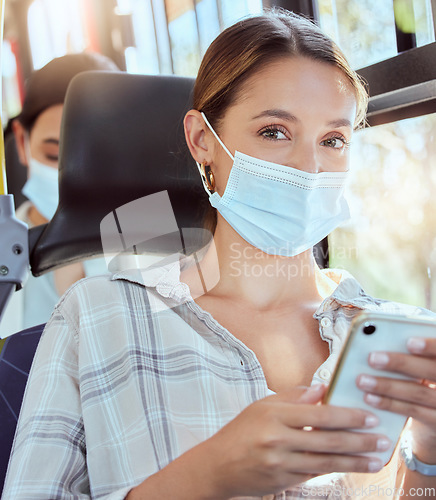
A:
116, 392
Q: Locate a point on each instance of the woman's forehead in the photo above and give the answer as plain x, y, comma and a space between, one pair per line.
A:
297, 73
48, 122
291, 83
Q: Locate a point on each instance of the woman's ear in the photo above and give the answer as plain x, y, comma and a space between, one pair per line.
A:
20, 141
197, 138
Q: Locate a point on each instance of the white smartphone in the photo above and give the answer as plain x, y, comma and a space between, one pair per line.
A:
371, 332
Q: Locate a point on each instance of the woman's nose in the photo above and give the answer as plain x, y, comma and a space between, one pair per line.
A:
305, 157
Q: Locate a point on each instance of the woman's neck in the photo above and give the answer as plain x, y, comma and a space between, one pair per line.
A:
248, 275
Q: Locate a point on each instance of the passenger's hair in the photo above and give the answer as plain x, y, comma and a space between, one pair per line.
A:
247, 46
48, 85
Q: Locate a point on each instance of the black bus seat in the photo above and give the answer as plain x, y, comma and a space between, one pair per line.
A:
16, 358
122, 139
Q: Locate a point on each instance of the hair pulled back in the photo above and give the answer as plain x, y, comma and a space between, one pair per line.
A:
240, 50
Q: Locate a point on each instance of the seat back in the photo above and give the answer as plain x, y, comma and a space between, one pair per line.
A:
16, 358
122, 139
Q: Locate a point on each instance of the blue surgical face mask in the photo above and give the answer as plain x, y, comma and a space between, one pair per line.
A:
42, 188
279, 209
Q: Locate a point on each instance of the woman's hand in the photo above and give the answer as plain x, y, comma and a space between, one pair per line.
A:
269, 447
413, 398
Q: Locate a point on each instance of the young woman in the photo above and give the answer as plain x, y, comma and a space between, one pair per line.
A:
139, 391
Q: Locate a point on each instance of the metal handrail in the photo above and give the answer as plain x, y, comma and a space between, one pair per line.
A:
3, 184
14, 240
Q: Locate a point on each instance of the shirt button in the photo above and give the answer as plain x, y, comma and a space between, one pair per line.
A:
324, 374
326, 322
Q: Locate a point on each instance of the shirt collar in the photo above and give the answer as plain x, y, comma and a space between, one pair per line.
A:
165, 278
348, 293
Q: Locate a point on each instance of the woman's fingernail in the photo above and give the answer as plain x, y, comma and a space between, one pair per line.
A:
374, 465
378, 359
371, 421
415, 344
373, 399
383, 444
367, 382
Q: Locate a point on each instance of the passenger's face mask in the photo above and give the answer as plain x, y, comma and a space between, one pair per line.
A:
279, 209
42, 188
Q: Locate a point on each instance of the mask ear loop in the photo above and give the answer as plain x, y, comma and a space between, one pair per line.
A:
201, 167
216, 136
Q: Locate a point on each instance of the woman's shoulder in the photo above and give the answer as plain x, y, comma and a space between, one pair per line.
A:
95, 291
131, 290
96, 308
109, 311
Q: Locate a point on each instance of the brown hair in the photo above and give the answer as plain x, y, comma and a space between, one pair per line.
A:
48, 85
240, 50
250, 44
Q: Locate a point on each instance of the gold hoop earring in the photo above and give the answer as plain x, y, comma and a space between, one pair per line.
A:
210, 181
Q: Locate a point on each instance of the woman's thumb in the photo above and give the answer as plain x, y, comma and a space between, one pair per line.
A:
312, 394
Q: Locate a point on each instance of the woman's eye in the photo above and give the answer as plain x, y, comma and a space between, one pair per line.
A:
335, 143
53, 158
273, 133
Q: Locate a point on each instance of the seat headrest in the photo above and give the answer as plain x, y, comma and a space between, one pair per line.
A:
122, 139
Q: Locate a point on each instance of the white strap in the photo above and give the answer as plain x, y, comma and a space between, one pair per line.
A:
216, 136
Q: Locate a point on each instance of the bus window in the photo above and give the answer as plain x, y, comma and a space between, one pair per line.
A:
172, 35
184, 37
232, 11
390, 243
11, 96
143, 58
365, 30
54, 30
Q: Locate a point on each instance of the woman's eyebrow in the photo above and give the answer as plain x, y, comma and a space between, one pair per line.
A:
277, 113
50, 140
342, 122
286, 115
